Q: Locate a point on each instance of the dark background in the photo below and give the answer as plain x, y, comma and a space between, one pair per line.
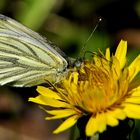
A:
68, 24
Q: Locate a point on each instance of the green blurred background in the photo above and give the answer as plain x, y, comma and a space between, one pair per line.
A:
68, 24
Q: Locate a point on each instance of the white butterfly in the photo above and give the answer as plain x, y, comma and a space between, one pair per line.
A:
26, 58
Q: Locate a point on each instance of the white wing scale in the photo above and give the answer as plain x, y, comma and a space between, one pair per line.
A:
26, 59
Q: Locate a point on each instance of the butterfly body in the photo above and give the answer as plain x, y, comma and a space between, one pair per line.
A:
26, 58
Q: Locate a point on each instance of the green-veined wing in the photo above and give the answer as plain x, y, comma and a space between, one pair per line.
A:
26, 58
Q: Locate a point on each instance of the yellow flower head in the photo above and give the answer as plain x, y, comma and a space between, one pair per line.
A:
99, 88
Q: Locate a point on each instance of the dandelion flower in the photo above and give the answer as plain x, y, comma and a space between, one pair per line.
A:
100, 88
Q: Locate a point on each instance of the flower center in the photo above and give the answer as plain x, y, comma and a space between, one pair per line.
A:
98, 89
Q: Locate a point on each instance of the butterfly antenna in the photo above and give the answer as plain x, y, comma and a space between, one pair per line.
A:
85, 44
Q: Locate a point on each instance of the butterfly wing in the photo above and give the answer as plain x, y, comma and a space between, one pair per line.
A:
26, 59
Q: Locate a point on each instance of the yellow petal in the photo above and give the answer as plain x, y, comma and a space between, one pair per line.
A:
121, 53
117, 113
47, 92
115, 68
49, 102
135, 92
132, 111
97, 60
107, 54
37, 99
75, 76
134, 68
60, 113
133, 100
96, 124
66, 124
110, 120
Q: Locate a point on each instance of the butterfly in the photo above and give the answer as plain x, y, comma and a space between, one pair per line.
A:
26, 58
